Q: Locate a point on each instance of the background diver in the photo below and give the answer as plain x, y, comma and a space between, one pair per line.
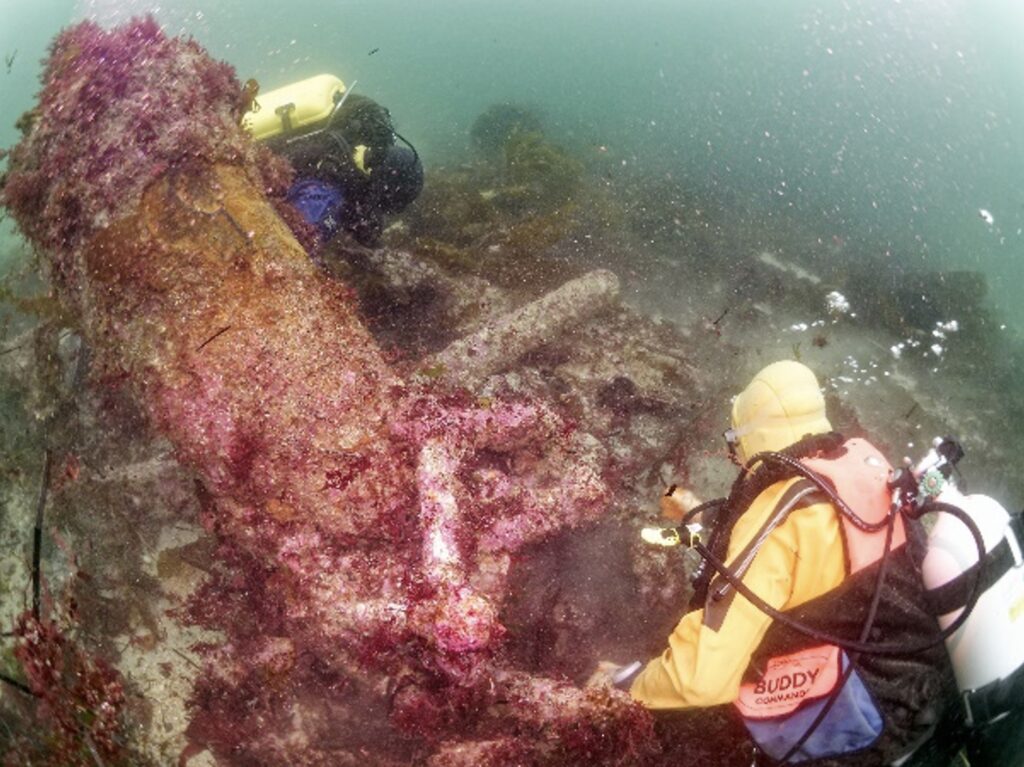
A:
350, 170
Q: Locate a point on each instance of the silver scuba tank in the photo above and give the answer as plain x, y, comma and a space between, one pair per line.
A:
989, 646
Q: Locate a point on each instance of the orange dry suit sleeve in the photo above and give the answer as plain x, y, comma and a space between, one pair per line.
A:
709, 650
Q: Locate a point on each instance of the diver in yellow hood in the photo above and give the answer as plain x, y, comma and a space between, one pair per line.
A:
782, 535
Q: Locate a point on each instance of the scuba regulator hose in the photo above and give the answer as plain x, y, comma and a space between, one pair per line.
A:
807, 473
408, 143
855, 648
876, 648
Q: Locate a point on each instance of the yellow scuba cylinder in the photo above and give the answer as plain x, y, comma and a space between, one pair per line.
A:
989, 646
294, 108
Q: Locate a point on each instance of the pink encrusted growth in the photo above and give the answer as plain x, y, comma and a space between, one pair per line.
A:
118, 108
563, 725
491, 479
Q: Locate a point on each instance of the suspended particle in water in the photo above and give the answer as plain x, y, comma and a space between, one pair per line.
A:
987, 217
943, 328
837, 304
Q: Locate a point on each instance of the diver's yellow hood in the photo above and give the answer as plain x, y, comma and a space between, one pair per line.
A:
780, 406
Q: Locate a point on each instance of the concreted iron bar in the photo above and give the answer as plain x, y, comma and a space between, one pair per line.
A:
498, 344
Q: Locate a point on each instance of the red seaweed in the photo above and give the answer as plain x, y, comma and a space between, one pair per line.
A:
79, 701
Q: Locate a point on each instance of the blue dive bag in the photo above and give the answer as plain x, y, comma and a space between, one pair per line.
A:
319, 202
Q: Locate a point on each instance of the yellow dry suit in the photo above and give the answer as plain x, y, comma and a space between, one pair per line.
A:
787, 542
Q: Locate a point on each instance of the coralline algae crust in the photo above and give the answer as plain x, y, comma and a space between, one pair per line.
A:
117, 109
